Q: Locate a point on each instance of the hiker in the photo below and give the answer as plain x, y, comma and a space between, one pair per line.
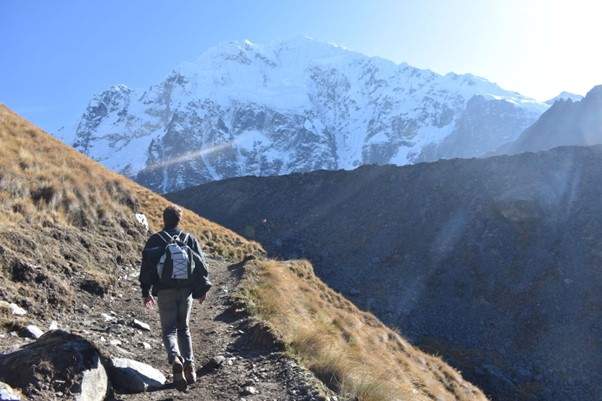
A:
175, 293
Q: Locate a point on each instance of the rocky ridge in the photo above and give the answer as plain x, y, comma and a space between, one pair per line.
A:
492, 263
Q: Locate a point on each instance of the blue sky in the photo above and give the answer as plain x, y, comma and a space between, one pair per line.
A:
57, 54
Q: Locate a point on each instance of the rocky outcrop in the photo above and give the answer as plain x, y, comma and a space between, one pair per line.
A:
492, 263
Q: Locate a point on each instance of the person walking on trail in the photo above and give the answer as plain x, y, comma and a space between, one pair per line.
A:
173, 269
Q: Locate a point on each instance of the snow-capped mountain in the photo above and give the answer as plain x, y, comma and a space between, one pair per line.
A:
565, 96
294, 106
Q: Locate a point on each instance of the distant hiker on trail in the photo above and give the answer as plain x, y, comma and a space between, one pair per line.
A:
174, 269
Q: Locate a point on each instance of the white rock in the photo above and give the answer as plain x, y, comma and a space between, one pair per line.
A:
106, 317
17, 310
35, 331
133, 376
8, 394
142, 219
249, 390
141, 325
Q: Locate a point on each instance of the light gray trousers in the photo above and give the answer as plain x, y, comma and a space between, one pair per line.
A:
174, 310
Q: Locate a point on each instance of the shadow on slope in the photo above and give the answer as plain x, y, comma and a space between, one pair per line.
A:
492, 263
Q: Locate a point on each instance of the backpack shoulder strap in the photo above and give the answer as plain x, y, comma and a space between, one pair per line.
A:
163, 234
179, 237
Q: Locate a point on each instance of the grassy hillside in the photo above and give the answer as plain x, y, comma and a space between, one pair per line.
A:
68, 226
349, 350
68, 233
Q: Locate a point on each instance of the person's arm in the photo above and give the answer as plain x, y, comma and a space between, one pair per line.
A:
194, 244
149, 302
201, 283
148, 274
202, 298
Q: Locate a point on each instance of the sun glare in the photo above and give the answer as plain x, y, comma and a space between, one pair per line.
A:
573, 32
189, 156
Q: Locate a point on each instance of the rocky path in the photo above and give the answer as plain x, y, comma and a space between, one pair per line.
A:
234, 361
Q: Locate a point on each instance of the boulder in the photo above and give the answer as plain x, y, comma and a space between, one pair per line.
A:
57, 363
129, 376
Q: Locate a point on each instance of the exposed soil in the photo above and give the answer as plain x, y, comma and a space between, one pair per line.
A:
253, 366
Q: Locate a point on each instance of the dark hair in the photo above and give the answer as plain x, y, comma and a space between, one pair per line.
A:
172, 216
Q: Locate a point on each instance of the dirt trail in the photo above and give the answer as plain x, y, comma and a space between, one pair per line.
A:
250, 370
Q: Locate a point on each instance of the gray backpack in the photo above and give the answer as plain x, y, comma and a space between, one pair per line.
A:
176, 265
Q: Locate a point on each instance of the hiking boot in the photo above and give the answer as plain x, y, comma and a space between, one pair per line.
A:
178, 374
189, 372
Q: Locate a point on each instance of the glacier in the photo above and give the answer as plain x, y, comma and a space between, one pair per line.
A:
295, 105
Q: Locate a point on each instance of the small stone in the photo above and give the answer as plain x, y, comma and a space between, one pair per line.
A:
8, 393
17, 310
216, 362
34, 331
141, 325
249, 390
141, 218
134, 376
106, 317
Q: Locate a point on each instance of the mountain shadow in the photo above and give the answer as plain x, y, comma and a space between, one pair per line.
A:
495, 263
566, 123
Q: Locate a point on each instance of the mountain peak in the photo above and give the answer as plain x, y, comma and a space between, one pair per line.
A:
294, 105
565, 96
596, 91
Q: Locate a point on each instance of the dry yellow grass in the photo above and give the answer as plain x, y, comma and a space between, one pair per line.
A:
350, 350
68, 225
44, 182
